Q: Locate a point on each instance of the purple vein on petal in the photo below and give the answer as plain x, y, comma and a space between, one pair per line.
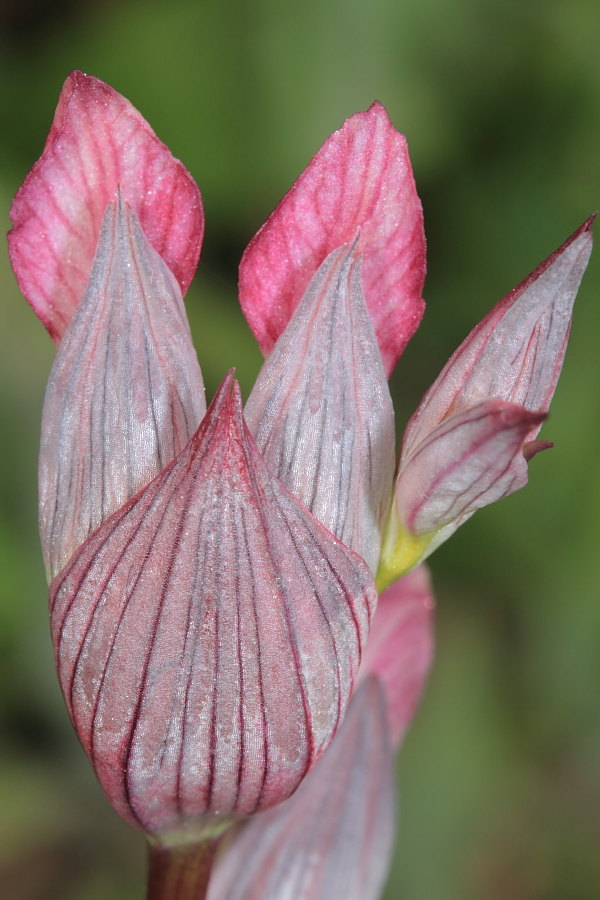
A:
211, 682
333, 837
516, 352
125, 393
321, 411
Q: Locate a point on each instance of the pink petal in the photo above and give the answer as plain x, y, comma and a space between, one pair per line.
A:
516, 352
97, 143
473, 458
321, 410
125, 393
400, 647
207, 635
333, 838
360, 183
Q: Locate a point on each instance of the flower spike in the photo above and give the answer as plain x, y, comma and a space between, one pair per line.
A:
359, 183
321, 410
468, 443
207, 636
98, 143
125, 392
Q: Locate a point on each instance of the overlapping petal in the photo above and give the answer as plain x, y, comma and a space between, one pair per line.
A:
98, 143
125, 392
321, 410
400, 647
208, 634
473, 458
359, 184
516, 352
334, 837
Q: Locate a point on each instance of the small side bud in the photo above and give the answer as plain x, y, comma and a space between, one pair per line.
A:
469, 440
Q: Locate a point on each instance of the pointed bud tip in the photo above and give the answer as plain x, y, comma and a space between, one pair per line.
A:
225, 395
224, 416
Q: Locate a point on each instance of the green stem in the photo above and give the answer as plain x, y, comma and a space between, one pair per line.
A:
180, 872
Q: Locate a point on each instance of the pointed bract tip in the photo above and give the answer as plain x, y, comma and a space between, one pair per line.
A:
584, 230
223, 417
228, 390
587, 225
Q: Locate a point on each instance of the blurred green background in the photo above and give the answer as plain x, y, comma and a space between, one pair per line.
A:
500, 101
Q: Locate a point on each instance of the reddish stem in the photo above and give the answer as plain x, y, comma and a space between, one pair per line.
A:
180, 872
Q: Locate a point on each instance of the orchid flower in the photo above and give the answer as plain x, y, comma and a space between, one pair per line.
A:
213, 571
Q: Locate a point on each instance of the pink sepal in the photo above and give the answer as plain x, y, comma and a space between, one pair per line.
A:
207, 635
360, 183
516, 352
400, 647
333, 838
98, 143
321, 410
473, 458
125, 393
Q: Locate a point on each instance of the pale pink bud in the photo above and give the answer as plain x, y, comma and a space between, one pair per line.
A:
516, 352
207, 636
468, 442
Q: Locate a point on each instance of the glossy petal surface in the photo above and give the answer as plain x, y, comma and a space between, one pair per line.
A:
400, 647
98, 143
516, 353
333, 837
125, 392
471, 459
321, 410
360, 183
207, 636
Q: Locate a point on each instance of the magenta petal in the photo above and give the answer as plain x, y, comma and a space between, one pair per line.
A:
516, 352
400, 647
125, 392
321, 410
471, 459
359, 183
98, 143
333, 838
207, 636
